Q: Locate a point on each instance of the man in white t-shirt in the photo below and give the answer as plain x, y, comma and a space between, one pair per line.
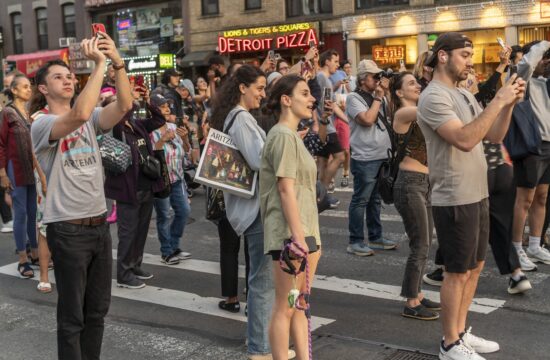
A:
64, 140
454, 125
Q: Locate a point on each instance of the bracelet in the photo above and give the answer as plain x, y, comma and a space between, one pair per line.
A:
377, 99
324, 122
119, 66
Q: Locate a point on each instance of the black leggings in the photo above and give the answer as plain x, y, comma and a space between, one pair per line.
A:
230, 244
502, 195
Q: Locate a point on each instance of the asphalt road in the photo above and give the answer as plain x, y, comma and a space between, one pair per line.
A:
355, 302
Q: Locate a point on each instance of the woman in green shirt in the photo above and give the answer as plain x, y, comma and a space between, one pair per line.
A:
289, 209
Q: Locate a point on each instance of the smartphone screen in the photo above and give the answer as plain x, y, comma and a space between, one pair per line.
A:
96, 28
513, 69
327, 94
501, 42
271, 55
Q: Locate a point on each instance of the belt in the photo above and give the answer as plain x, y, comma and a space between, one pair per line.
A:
91, 221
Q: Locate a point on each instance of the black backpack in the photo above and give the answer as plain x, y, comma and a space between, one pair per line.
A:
387, 174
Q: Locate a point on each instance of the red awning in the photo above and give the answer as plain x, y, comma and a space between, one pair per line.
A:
28, 64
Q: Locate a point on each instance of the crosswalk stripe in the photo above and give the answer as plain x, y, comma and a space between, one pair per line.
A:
172, 298
344, 214
330, 283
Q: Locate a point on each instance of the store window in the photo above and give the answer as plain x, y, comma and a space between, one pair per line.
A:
369, 4
17, 30
42, 27
532, 33
147, 30
308, 7
69, 28
210, 7
252, 4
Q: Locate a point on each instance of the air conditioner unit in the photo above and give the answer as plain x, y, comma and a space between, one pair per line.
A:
66, 42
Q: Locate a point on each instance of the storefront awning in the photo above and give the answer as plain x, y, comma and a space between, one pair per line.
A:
196, 58
28, 64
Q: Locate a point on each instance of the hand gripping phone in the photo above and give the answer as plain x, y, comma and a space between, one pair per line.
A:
96, 28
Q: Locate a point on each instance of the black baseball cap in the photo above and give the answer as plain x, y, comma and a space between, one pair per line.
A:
448, 41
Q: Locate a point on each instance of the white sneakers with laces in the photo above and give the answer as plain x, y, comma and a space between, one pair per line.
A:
525, 263
478, 344
540, 254
459, 351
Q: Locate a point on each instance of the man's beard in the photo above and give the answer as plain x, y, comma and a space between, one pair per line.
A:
455, 74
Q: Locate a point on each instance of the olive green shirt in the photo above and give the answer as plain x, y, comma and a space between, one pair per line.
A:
285, 156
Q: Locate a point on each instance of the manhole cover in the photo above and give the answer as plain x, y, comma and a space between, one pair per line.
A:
410, 355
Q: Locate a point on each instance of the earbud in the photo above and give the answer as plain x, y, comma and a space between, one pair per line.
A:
444, 58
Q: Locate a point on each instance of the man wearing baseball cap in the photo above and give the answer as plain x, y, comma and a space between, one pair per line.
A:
169, 83
454, 126
369, 141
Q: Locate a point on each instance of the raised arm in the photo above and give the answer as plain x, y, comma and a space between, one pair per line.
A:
115, 111
466, 137
86, 101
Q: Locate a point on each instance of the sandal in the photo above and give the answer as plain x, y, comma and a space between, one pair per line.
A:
44, 287
231, 307
36, 263
25, 271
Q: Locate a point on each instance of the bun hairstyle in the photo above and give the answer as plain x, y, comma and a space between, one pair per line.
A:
396, 83
16, 78
229, 95
284, 86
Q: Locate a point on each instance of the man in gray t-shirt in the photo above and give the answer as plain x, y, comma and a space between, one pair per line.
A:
332, 154
369, 141
454, 125
64, 140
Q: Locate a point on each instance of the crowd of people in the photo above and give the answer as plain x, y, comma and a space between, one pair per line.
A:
438, 129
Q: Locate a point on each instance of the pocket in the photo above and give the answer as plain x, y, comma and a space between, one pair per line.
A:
66, 228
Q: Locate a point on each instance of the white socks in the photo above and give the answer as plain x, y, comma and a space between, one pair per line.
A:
518, 276
534, 243
518, 246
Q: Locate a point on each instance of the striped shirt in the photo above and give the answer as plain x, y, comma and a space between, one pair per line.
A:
173, 151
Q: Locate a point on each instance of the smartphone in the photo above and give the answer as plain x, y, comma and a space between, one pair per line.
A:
401, 62
305, 68
327, 94
501, 42
271, 55
96, 28
513, 69
179, 122
312, 44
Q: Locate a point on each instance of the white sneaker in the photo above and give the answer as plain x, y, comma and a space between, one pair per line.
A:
478, 344
459, 352
525, 263
539, 255
7, 227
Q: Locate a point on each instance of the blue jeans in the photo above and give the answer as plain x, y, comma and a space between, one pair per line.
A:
365, 195
170, 233
260, 291
24, 213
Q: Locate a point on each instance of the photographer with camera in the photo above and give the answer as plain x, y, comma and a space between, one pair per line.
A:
370, 140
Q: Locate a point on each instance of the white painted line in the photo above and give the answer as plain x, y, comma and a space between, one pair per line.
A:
172, 298
344, 214
348, 189
331, 283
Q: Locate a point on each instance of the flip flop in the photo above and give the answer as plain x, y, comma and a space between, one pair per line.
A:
44, 287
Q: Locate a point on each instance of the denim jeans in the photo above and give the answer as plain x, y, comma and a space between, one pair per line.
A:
260, 290
170, 233
83, 262
365, 195
411, 194
24, 213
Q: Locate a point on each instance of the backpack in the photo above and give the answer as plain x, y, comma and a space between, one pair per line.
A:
387, 174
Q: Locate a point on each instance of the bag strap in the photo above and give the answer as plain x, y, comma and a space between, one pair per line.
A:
369, 99
230, 124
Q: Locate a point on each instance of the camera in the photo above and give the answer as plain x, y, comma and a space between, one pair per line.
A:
388, 74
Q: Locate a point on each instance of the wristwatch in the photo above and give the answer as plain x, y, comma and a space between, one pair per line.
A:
120, 66
377, 99
326, 122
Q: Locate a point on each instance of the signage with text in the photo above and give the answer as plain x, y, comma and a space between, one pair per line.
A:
388, 54
284, 36
146, 63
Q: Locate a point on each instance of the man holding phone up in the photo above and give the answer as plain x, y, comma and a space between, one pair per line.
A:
64, 140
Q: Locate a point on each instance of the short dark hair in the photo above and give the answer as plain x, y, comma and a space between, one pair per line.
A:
327, 55
515, 50
216, 60
42, 73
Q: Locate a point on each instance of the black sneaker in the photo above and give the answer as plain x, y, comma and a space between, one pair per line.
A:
420, 313
431, 305
132, 284
434, 278
170, 259
520, 286
141, 274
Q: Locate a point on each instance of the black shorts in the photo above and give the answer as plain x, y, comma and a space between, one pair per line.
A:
332, 146
463, 235
534, 169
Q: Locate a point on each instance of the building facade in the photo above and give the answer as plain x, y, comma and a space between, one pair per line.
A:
388, 36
